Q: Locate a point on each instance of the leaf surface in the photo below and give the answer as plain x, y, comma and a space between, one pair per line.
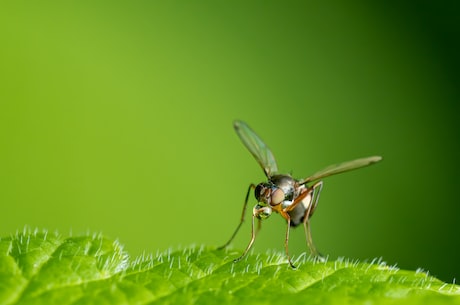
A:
44, 268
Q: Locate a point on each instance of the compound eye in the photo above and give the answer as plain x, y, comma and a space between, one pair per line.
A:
277, 196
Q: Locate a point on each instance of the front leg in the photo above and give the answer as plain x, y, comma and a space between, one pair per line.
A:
253, 237
251, 186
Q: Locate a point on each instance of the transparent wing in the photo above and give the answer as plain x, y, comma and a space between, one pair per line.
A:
342, 167
257, 147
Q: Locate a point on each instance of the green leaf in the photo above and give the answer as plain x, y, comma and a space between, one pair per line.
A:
44, 268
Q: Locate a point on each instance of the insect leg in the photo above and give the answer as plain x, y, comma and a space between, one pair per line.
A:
251, 186
253, 237
259, 225
286, 241
316, 189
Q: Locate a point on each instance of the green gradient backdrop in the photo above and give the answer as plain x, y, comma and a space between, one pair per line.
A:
116, 117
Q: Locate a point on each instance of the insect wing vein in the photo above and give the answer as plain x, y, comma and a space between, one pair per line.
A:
257, 147
342, 167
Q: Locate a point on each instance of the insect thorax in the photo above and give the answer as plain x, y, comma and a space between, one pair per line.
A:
286, 183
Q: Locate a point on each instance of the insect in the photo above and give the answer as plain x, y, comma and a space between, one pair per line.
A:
295, 200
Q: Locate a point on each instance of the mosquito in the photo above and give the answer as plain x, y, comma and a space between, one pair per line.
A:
295, 200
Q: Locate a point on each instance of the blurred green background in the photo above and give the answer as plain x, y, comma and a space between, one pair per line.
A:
117, 117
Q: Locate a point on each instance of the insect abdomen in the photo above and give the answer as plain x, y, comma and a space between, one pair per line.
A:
298, 213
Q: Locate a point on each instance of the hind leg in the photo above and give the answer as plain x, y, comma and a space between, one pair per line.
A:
316, 189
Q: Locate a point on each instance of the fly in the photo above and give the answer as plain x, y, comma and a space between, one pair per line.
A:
295, 200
